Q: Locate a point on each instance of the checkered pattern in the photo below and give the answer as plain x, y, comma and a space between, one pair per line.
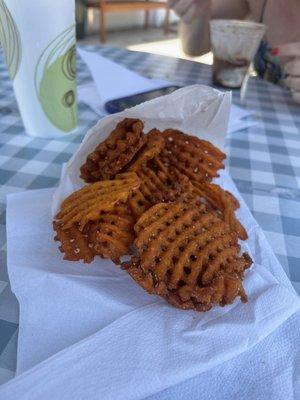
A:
263, 161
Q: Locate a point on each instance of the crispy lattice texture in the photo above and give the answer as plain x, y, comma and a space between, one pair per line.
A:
157, 184
86, 204
154, 144
74, 243
154, 177
222, 201
114, 153
189, 256
198, 159
111, 236
216, 199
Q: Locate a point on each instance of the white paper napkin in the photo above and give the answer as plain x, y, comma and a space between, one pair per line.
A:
106, 337
113, 81
89, 332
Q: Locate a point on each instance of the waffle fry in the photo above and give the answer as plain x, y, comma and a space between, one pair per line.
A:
224, 202
157, 184
114, 153
86, 204
214, 197
181, 228
153, 146
112, 235
198, 159
74, 243
189, 256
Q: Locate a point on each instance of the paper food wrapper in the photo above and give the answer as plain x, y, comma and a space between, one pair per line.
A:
197, 109
90, 332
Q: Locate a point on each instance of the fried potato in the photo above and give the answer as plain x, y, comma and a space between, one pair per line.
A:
217, 200
114, 153
112, 235
189, 256
154, 144
157, 184
86, 204
224, 202
152, 198
74, 243
198, 159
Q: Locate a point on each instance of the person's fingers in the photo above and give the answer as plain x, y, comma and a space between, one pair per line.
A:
293, 67
291, 51
288, 50
182, 6
296, 96
293, 83
190, 14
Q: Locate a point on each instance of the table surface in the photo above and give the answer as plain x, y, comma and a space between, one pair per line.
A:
264, 162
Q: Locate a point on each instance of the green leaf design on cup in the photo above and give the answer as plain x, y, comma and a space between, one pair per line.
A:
55, 80
10, 40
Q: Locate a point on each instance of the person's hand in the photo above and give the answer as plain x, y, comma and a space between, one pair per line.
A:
290, 56
188, 10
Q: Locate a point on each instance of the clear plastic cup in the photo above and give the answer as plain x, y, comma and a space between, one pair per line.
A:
234, 44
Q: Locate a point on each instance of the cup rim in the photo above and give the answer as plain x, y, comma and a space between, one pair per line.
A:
238, 23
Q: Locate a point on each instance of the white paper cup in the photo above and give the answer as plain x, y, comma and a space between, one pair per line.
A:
234, 44
38, 38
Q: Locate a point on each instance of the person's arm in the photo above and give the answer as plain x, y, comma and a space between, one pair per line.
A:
194, 34
195, 16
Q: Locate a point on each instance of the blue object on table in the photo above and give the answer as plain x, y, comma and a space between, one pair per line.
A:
117, 105
263, 161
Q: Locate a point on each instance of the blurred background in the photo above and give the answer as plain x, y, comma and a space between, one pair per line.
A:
148, 26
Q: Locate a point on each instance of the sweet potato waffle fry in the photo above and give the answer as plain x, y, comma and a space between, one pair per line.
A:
157, 184
198, 159
153, 146
114, 153
85, 204
74, 243
161, 206
111, 236
189, 256
213, 196
224, 202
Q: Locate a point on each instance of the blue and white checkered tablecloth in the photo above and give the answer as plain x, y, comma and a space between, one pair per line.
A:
264, 162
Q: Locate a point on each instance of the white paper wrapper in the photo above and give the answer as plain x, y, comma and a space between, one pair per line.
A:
198, 110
